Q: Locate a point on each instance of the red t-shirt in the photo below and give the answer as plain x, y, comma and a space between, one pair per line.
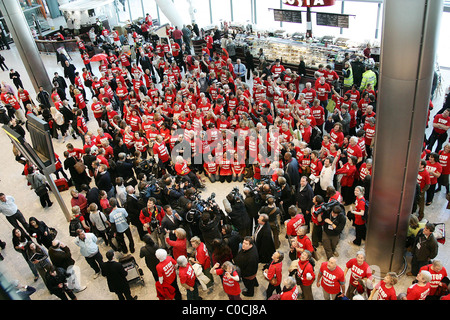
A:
230, 286
433, 167
385, 293
440, 119
303, 269
290, 295
443, 160
166, 270
294, 224
436, 278
423, 178
275, 271
358, 271
187, 275
416, 292
331, 281
202, 256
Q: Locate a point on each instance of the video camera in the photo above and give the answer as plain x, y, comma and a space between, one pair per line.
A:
327, 207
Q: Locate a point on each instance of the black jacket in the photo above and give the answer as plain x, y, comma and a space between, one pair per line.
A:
247, 261
428, 247
264, 243
239, 217
339, 221
115, 276
304, 198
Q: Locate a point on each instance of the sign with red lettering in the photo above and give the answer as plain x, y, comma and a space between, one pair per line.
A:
310, 3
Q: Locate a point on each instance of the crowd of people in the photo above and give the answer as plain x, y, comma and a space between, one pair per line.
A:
168, 122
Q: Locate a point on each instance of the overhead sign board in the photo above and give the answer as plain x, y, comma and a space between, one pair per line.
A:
309, 3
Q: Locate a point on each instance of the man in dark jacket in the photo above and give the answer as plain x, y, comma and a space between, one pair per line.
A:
305, 195
247, 260
43, 97
424, 249
291, 170
264, 240
124, 169
116, 276
251, 205
55, 280
148, 253
133, 205
69, 71
209, 227
238, 215
334, 224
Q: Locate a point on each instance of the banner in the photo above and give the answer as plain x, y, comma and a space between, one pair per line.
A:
309, 3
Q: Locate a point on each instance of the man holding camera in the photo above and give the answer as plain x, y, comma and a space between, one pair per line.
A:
334, 223
151, 217
273, 212
235, 207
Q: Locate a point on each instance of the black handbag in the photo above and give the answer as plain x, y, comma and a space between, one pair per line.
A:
41, 190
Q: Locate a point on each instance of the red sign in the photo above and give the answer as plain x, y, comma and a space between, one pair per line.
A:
309, 3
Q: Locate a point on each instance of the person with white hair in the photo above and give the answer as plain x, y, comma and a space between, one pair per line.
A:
167, 276
438, 273
421, 289
187, 278
359, 272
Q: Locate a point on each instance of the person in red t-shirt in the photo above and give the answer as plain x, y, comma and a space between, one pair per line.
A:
167, 275
230, 279
423, 179
202, 258
444, 160
305, 275
187, 278
274, 271
295, 222
441, 124
421, 289
179, 245
358, 211
349, 174
290, 289
332, 280
384, 290
359, 271
434, 168
438, 273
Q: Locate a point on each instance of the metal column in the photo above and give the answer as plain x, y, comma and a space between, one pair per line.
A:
408, 49
24, 41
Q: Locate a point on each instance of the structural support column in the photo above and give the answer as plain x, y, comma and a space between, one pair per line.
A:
408, 50
172, 13
24, 41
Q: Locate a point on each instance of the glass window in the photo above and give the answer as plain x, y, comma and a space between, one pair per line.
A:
443, 47
221, 11
202, 13
242, 11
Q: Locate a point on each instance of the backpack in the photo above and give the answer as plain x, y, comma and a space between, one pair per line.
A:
74, 225
366, 210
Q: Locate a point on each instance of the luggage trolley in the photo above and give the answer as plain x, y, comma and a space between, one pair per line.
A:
130, 265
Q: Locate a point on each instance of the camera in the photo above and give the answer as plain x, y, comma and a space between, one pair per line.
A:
327, 207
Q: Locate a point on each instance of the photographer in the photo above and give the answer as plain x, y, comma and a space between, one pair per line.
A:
133, 206
173, 190
271, 210
235, 207
334, 223
252, 205
151, 217
124, 169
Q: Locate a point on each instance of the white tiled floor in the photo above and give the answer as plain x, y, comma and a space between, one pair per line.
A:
13, 183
